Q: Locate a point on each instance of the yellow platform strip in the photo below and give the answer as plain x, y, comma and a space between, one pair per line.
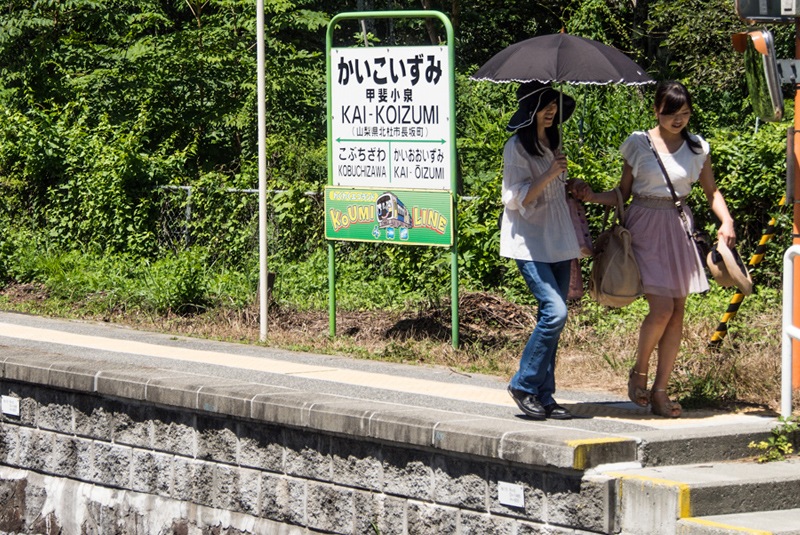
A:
711, 524
684, 501
353, 377
582, 448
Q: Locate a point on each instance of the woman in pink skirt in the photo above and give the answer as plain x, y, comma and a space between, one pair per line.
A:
668, 260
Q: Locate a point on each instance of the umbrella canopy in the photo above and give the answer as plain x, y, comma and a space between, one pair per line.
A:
561, 57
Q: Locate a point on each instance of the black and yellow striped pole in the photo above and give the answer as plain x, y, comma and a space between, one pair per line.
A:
738, 297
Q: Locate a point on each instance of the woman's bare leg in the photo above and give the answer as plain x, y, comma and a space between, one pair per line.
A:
668, 347
650, 335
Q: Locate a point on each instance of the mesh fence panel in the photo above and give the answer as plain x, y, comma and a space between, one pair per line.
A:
173, 219
225, 222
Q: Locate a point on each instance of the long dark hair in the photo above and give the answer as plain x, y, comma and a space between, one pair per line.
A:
670, 98
529, 135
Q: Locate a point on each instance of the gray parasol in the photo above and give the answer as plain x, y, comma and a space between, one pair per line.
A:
562, 58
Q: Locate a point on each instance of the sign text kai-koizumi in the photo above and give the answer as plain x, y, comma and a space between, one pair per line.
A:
413, 114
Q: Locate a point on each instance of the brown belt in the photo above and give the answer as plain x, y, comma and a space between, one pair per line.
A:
657, 203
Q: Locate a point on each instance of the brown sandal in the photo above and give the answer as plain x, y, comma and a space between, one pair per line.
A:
667, 410
639, 396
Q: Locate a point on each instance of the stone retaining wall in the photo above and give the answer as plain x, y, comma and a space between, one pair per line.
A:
92, 453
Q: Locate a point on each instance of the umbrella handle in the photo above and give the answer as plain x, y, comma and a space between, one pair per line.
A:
560, 117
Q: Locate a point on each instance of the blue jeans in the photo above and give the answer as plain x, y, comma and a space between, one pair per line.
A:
549, 283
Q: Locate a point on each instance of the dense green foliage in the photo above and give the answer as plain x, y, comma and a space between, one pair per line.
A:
106, 102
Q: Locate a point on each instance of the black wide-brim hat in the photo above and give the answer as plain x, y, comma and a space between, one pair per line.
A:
532, 97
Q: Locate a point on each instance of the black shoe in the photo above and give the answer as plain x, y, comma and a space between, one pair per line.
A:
528, 403
554, 411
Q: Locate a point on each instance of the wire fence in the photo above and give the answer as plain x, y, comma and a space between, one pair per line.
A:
174, 217
224, 220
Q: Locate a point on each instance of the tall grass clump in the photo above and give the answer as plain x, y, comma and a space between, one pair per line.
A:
118, 283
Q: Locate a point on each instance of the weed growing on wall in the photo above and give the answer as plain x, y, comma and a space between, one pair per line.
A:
779, 445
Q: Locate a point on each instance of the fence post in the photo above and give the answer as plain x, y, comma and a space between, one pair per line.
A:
790, 332
187, 238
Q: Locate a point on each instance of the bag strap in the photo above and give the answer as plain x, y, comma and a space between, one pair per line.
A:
619, 208
675, 199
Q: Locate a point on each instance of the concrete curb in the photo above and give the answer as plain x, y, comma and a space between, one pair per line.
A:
759, 523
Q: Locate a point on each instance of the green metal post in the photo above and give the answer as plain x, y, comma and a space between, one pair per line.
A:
331, 250
453, 184
331, 289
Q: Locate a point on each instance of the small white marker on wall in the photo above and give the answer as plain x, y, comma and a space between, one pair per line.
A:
9, 405
510, 494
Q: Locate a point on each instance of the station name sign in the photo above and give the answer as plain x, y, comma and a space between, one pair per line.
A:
390, 117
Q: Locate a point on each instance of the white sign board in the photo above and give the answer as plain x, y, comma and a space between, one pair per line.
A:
390, 117
510, 494
10, 405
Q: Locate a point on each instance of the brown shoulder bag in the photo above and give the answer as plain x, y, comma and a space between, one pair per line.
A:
615, 280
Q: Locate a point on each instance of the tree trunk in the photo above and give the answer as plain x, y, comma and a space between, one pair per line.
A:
426, 4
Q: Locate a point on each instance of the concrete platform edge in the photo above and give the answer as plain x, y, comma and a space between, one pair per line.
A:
528, 443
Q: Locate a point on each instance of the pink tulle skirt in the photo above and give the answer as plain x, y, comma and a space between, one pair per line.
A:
668, 259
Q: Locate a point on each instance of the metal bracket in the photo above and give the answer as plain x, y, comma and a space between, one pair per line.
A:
788, 70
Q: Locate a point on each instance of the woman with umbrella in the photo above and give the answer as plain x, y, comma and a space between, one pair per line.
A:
560, 58
537, 232
667, 257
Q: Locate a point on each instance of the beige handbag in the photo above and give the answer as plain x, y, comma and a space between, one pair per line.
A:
615, 280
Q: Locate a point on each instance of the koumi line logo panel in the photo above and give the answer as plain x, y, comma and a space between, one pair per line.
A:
390, 117
394, 216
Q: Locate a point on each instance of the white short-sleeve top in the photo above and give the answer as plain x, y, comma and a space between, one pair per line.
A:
683, 166
542, 230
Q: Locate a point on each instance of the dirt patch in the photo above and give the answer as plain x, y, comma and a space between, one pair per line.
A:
22, 293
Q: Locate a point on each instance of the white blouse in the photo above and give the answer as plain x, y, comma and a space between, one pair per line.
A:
683, 166
542, 230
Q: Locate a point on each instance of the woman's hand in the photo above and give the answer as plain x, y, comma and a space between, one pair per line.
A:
727, 234
718, 206
580, 190
558, 166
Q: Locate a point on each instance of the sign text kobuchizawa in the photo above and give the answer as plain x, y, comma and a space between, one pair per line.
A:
390, 117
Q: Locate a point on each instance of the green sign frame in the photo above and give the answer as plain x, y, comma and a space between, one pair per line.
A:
441, 202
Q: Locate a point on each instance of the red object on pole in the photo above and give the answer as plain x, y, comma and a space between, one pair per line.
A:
796, 222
